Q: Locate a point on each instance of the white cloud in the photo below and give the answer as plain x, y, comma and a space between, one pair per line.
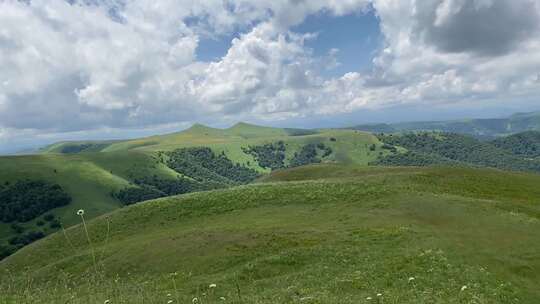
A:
125, 64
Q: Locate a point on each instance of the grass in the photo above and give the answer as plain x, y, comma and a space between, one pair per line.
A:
88, 178
318, 234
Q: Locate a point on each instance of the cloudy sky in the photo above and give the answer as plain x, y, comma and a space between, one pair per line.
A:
121, 68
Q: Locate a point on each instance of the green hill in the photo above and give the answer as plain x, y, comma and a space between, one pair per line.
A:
315, 234
101, 176
486, 128
516, 152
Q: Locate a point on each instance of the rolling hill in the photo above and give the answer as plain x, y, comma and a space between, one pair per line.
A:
101, 176
314, 234
518, 152
484, 128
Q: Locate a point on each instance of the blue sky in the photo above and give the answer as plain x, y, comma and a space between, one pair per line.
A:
77, 71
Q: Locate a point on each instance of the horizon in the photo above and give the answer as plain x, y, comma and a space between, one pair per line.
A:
35, 149
115, 69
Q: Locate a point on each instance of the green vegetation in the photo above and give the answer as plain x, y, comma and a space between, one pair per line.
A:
25, 200
525, 144
316, 234
105, 175
484, 128
269, 156
309, 154
448, 148
203, 165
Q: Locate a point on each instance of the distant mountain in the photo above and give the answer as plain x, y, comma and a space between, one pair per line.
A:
491, 127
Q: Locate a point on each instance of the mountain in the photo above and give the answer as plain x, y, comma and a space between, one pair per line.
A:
487, 128
101, 176
315, 234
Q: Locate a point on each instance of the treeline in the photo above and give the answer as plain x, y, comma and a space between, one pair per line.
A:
203, 165
309, 154
79, 148
153, 187
23, 237
271, 156
25, 200
429, 148
525, 144
204, 170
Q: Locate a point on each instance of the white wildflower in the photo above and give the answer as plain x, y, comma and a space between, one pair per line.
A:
369, 298
107, 302
169, 302
464, 287
80, 212
222, 298
411, 279
212, 286
195, 300
379, 295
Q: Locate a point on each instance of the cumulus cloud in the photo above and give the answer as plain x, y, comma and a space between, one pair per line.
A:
87, 64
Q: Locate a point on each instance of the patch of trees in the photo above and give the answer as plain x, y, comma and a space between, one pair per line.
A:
6, 251
25, 239
26, 200
309, 154
153, 187
525, 144
132, 195
428, 148
203, 165
79, 148
271, 156
206, 169
300, 132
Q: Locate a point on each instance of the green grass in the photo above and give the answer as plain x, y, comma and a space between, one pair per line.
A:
88, 178
318, 234
349, 147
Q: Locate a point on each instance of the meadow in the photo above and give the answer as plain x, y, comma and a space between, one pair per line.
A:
316, 234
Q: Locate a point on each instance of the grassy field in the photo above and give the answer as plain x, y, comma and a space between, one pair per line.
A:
88, 178
318, 234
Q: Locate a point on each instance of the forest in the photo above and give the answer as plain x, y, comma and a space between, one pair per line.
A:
429, 148
25, 200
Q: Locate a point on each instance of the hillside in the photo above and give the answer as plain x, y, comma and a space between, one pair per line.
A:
103, 176
484, 128
516, 152
316, 234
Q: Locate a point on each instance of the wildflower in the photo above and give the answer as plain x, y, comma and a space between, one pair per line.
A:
80, 212
169, 302
222, 298
464, 287
379, 295
369, 298
411, 279
107, 302
169, 295
212, 286
195, 300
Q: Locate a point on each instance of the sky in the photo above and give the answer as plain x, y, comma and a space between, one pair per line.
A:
102, 69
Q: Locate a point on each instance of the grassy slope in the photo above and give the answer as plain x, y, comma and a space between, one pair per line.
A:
350, 146
89, 178
330, 234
